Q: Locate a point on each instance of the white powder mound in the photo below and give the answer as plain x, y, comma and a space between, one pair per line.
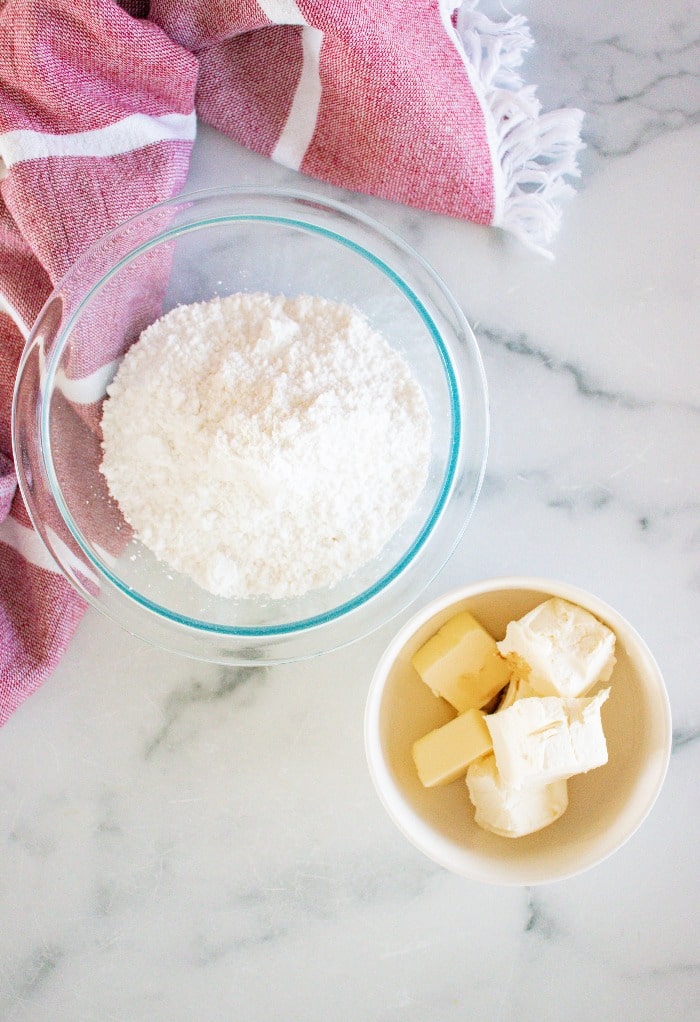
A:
264, 445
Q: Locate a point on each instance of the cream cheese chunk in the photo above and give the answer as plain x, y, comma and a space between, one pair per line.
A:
444, 754
543, 739
461, 664
510, 811
561, 649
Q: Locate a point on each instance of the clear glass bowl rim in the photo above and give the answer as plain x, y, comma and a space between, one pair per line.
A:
296, 199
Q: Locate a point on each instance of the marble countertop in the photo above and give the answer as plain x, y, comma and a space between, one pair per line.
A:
182, 841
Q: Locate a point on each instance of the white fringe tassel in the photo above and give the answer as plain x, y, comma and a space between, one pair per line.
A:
534, 151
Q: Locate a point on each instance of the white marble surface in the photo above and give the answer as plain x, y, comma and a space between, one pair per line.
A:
182, 842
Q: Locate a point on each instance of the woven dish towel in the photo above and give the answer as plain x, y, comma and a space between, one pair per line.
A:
420, 103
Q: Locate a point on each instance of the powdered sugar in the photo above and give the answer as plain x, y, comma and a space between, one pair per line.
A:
264, 445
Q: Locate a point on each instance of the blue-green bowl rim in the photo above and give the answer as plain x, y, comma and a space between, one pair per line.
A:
343, 609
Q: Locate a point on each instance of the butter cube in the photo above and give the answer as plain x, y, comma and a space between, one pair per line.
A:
444, 754
543, 739
461, 664
511, 811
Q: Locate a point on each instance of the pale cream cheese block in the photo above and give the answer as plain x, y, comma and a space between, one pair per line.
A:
543, 739
461, 664
560, 648
509, 811
444, 754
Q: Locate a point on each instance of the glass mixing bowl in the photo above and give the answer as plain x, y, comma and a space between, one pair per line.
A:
190, 250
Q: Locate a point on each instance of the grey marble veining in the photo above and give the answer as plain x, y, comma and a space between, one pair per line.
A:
180, 841
636, 78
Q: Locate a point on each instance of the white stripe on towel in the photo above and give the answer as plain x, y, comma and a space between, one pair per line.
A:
87, 389
301, 122
14, 316
282, 12
27, 542
132, 132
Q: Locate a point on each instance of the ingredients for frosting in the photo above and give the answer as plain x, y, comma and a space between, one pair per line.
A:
543, 739
444, 754
560, 648
518, 758
512, 811
265, 445
461, 663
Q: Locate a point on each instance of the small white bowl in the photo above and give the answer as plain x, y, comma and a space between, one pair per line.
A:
606, 805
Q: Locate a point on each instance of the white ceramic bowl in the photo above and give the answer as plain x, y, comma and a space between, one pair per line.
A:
606, 805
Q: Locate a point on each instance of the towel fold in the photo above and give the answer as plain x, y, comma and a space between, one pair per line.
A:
420, 104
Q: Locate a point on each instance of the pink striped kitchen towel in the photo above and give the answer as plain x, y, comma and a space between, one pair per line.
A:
421, 103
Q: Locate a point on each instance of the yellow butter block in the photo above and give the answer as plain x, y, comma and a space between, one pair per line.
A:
462, 664
444, 754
